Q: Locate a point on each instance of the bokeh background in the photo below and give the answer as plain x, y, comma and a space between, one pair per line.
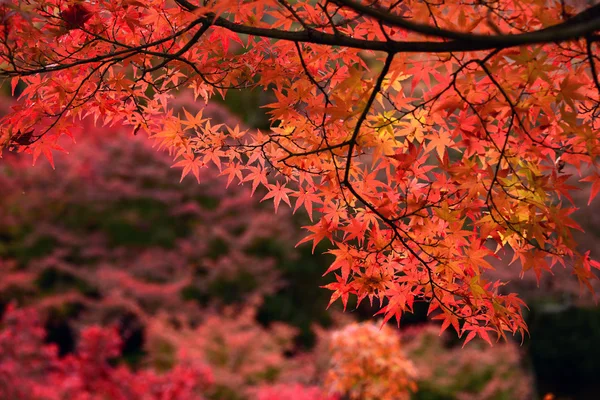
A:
118, 281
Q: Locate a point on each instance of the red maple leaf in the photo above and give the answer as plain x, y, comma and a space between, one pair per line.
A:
75, 16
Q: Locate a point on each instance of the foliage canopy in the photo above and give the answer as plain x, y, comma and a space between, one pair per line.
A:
422, 138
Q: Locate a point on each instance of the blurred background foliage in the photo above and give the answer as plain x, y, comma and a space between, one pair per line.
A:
187, 271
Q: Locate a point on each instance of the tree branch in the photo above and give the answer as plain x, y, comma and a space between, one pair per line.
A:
582, 25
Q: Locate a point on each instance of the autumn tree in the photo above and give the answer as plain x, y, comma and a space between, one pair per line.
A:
422, 138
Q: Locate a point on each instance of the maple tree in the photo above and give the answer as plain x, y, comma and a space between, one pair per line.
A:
421, 138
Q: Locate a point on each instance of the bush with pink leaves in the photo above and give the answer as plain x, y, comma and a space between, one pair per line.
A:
31, 369
292, 391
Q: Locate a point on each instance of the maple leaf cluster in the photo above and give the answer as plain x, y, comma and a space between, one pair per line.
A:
422, 139
75, 16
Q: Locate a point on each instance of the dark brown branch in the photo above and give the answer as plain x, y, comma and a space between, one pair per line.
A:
582, 25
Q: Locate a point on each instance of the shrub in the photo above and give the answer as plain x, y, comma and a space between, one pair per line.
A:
32, 370
293, 391
367, 362
241, 353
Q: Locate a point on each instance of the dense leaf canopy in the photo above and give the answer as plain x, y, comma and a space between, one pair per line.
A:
421, 137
